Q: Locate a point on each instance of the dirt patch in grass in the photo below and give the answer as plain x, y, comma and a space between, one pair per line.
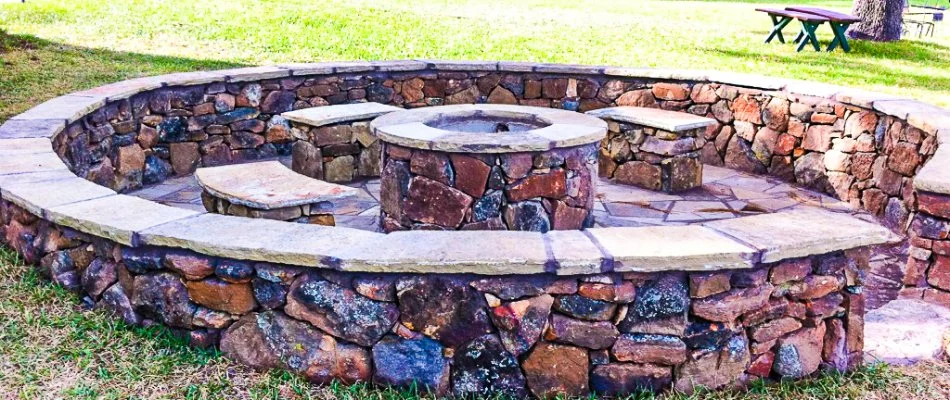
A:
10, 43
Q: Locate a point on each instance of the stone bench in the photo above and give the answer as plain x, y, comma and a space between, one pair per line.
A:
651, 148
268, 190
336, 143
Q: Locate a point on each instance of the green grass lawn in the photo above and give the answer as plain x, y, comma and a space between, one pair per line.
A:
51, 347
65, 45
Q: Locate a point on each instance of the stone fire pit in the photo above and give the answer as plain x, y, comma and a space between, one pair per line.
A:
488, 167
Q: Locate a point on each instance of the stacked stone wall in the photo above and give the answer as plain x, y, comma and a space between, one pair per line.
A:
516, 335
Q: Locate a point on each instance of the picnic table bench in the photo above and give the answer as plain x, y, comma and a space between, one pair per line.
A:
811, 18
268, 190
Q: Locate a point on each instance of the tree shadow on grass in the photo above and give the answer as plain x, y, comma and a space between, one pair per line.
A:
870, 68
36, 69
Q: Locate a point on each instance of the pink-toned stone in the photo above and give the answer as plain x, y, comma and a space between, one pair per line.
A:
191, 267
434, 203
934, 204
471, 174
564, 217
670, 91
818, 138
939, 274
814, 286
761, 365
637, 98
747, 108
552, 185
432, 165
653, 349
774, 329
904, 159
703, 94
726, 307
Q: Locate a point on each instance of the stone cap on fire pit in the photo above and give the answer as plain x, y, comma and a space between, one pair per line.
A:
326, 115
655, 118
267, 185
462, 128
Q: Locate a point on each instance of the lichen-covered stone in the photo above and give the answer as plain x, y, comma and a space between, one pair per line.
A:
521, 322
340, 311
592, 335
554, 370
584, 308
714, 370
620, 379
799, 354
649, 349
164, 297
407, 362
443, 309
483, 368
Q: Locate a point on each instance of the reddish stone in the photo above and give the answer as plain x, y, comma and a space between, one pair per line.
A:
639, 173
774, 329
790, 270
398, 152
516, 165
761, 365
904, 159
191, 267
625, 379
746, 108
520, 323
554, 370
705, 285
552, 185
340, 311
814, 286
854, 321
785, 144
131, 160
471, 174
934, 204
825, 307
777, 307
889, 181
938, 297
835, 349
653, 349
703, 94
939, 274
671, 91
564, 217
728, 306
432, 165
554, 88
874, 201
822, 118
799, 354
623, 292
216, 294
818, 138
637, 98
592, 335
716, 369
434, 203
502, 96
941, 247
860, 123
185, 157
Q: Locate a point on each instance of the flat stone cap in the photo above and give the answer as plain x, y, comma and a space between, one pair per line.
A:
418, 128
267, 185
326, 115
672, 121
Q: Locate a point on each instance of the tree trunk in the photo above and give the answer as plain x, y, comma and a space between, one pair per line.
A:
882, 20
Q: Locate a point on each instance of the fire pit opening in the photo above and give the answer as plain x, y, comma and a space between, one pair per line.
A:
488, 123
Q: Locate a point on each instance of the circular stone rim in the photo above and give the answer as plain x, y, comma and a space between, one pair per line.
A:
410, 128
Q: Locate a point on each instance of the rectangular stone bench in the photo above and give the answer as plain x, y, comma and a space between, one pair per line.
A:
336, 143
652, 148
268, 190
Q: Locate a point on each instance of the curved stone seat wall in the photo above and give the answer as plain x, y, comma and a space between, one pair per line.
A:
794, 280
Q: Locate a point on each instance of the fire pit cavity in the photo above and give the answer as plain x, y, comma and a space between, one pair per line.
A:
488, 167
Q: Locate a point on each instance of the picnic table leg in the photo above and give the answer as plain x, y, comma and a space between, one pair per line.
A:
801, 35
840, 38
777, 25
808, 30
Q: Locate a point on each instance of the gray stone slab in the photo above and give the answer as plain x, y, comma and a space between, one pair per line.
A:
125, 89
516, 66
902, 108
39, 197
352, 66
192, 78
254, 73
930, 119
399, 65
575, 253
32, 128
453, 65
118, 218
658, 73
476, 252
319, 116
747, 80
573, 69
68, 107
672, 248
803, 232
267, 185
35, 177
258, 239
864, 98
935, 175
303, 69
672, 121
15, 147
37, 162
815, 89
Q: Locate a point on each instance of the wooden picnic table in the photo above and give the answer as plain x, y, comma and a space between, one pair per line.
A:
839, 24
781, 19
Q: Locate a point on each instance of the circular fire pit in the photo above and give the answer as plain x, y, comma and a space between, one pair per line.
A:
488, 167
